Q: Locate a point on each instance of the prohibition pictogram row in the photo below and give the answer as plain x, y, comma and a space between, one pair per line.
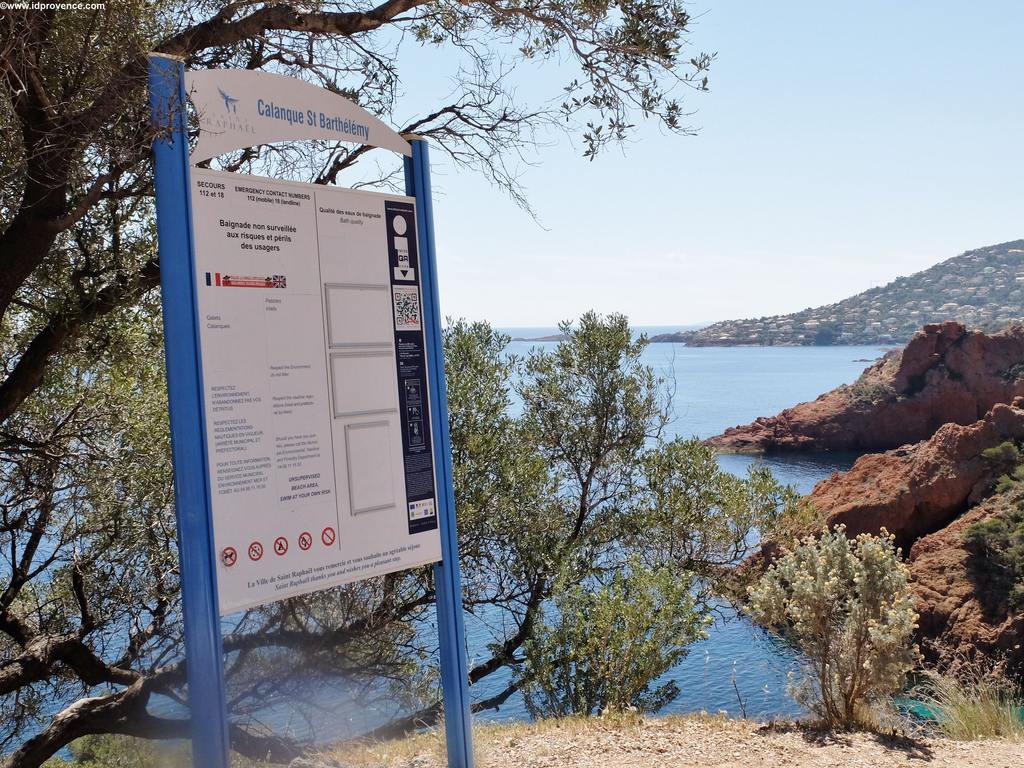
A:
255, 551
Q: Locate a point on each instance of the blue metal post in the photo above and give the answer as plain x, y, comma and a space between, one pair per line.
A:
203, 648
447, 573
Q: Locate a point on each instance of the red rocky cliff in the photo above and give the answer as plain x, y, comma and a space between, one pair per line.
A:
946, 374
918, 489
927, 495
958, 617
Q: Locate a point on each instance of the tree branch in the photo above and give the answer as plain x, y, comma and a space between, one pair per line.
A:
30, 369
221, 31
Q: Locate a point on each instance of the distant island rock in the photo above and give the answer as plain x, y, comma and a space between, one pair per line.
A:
945, 374
983, 289
677, 337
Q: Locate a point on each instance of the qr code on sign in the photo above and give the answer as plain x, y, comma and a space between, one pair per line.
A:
407, 308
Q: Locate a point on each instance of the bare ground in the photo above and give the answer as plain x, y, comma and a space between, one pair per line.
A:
707, 742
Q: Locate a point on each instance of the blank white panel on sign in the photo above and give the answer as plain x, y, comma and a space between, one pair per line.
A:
363, 382
353, 258
358, 315
371, 484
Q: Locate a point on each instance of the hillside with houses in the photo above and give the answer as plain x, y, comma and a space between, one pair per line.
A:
983, 289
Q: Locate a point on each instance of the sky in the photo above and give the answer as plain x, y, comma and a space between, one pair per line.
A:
841, 145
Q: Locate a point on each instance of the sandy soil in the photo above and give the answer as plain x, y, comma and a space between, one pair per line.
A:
707, 742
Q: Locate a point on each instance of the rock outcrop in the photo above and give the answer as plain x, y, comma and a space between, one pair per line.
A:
946, 374
960, 616
927, 495
917, 489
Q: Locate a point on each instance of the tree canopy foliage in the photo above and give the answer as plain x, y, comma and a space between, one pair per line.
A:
603, 649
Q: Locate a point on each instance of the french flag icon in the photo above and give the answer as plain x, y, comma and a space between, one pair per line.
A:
213, 278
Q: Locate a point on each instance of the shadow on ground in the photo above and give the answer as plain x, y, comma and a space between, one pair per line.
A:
913, 748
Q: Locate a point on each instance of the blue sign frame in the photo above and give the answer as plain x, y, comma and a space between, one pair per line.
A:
203, 643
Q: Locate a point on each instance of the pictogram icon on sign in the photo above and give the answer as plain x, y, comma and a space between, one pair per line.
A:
280, 545
327, 537
255, 551
305, 540
229, 556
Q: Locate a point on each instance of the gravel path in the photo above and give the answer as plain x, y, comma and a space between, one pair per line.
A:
706, 742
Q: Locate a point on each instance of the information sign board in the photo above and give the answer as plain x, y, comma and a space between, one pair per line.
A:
315, 385
305, 376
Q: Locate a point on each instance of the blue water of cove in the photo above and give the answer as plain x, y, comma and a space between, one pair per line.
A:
716, 388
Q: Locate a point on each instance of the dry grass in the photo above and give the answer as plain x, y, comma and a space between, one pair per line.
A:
630, 741
975, 706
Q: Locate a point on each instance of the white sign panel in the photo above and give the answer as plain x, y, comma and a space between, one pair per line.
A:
241, 108
314, 375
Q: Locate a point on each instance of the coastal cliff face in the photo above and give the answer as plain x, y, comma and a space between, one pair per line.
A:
928, 495
944, 419
946, 374
961, 611
917, 489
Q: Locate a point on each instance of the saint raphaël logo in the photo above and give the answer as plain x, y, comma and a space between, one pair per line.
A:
227, 119
238, 108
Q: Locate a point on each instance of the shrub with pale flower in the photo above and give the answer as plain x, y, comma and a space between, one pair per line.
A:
847, 604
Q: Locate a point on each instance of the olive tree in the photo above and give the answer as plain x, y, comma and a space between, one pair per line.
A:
615, 513
603, 648
847, 605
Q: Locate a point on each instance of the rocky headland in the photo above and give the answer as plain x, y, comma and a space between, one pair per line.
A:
961, 599
946, 374
552, 337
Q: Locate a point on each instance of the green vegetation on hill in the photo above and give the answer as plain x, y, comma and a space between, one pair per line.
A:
983, 289
998, 543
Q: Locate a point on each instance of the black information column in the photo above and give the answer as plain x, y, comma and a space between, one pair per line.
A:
410, 354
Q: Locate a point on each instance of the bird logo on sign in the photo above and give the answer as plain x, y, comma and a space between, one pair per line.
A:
229, 101
229, 556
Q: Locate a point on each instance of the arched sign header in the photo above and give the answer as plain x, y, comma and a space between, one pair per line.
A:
240, 108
